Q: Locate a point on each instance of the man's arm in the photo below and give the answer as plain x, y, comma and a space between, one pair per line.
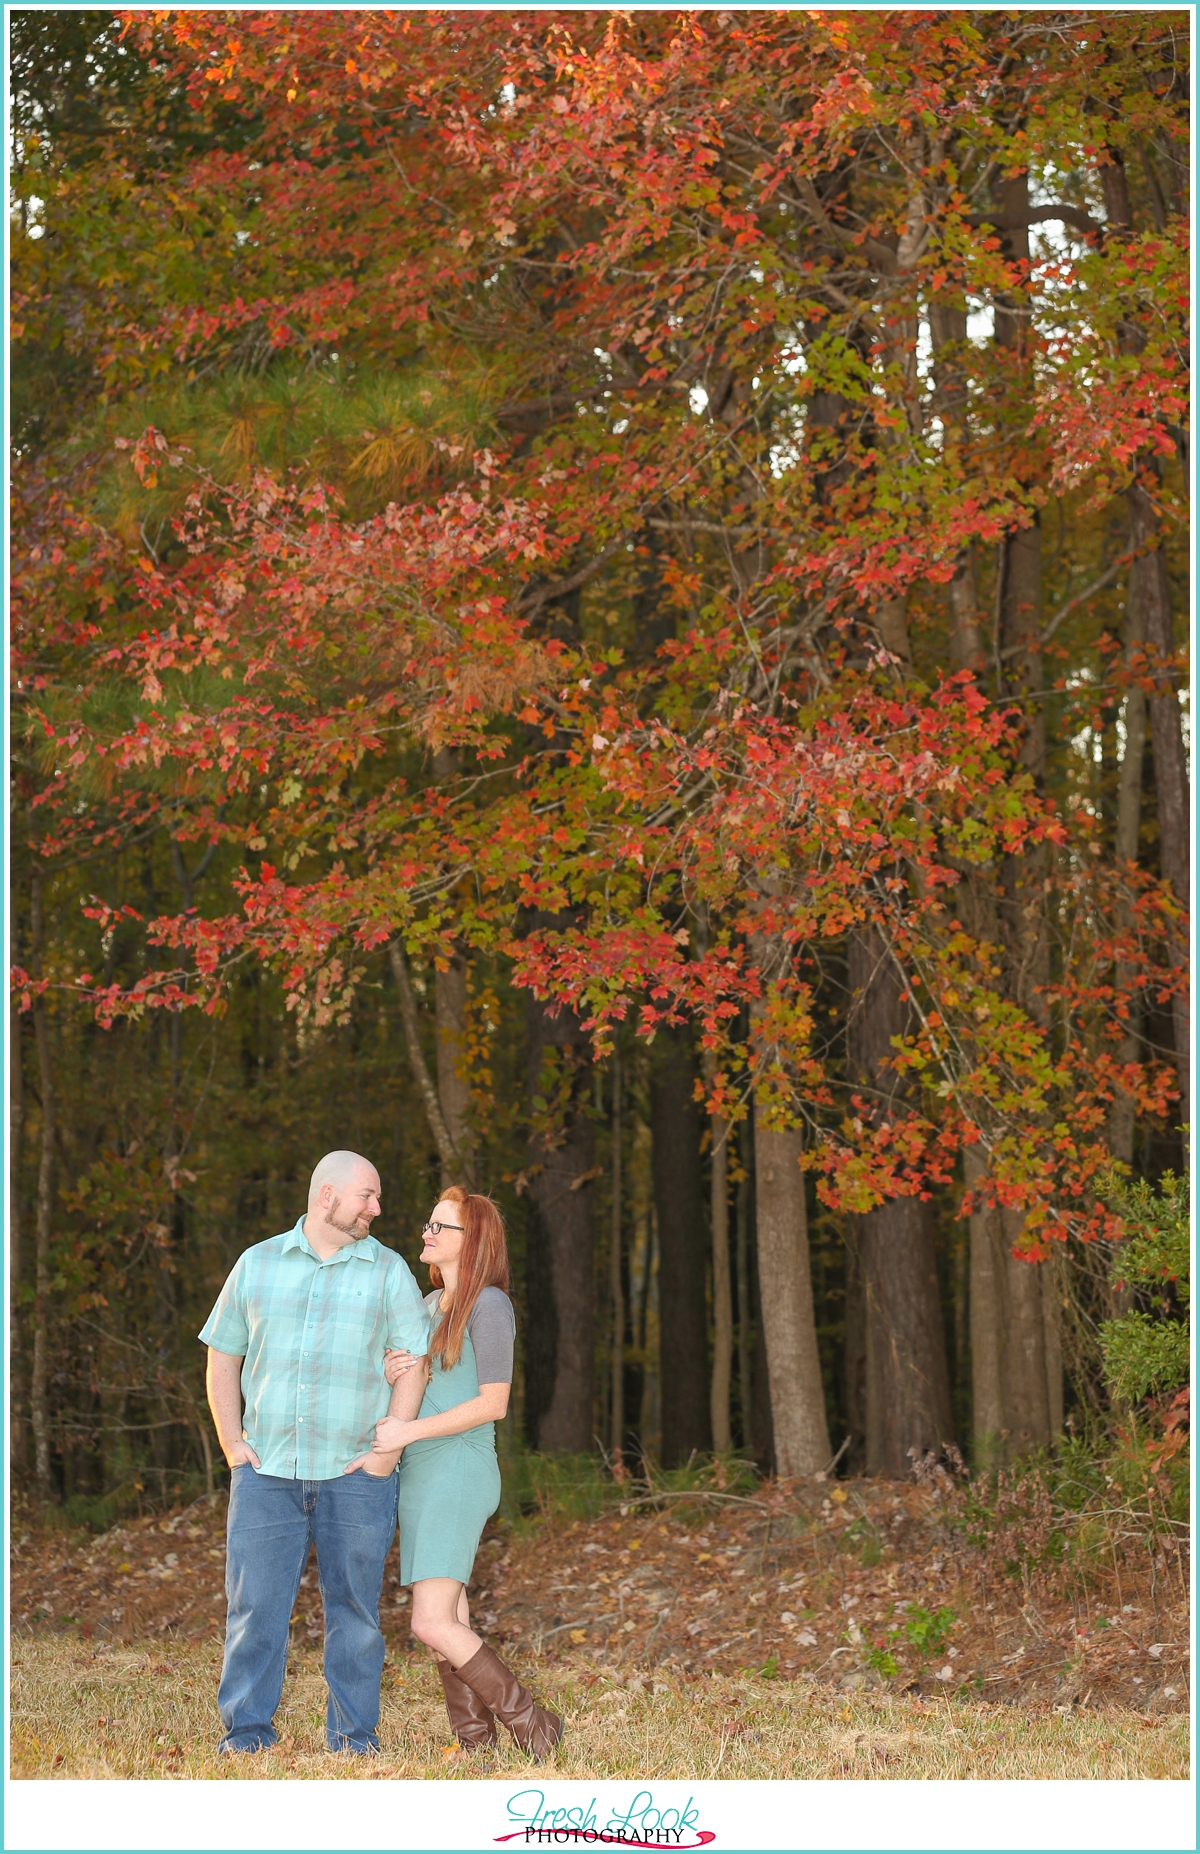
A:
223, 1381
408, 1391
404, 1402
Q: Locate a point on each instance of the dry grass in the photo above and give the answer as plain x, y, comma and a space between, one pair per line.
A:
129, 1711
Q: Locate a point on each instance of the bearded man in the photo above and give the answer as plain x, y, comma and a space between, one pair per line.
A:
299, 1333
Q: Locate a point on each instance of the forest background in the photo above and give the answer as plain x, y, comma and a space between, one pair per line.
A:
598, 604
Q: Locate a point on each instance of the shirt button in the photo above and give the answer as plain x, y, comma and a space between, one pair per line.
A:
300, 1419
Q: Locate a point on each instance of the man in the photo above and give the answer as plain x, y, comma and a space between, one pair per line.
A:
299, 1331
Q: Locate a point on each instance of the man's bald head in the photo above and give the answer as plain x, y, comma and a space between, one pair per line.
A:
339, 1170
343, 1201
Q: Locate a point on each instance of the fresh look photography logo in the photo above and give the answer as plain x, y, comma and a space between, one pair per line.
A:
645, 1822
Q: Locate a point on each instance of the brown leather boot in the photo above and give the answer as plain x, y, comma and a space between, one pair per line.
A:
497, 1686
470, 1720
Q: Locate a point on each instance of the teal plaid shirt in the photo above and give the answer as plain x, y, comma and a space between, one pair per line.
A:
312, 1335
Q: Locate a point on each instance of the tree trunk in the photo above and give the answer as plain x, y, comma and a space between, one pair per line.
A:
907, 1380
745, 1317
453, 1079
1028, 1398
615, 1283
39, 1406
16, 1136
722, 1367
560, 1288
675, 1129
986, 1302
1016, 1378
1166, 735
968, 651
1150, 594
760, 1395
411, 1018
855, 1351
948, 328
1125, 851
1023, 1362
799, 1428
1052, 1279
646, 1384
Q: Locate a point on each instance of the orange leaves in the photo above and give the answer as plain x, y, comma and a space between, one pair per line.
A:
700, 222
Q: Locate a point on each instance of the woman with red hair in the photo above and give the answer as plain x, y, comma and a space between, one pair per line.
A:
449, 1478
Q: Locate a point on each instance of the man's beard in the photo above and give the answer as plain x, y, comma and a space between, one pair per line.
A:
356, 1229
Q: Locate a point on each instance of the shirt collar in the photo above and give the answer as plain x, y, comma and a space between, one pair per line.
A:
363, 1251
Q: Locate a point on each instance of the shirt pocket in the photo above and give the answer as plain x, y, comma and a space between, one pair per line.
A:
362, 1320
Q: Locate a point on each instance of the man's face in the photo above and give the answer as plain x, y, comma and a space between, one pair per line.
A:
354, 1209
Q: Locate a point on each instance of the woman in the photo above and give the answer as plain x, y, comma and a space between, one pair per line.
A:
449, 1478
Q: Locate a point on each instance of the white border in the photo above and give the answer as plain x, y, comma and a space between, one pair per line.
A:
471, 1815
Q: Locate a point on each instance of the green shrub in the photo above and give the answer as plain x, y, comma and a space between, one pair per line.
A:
569, 1487
566, 1487
1148, 1351
928, 1630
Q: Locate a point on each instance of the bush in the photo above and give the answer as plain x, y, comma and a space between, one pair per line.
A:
569, 1487
566, 1487
928, 1630
1148, 1351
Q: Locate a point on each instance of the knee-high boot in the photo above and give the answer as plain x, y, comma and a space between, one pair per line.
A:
501, 1692
470, 1720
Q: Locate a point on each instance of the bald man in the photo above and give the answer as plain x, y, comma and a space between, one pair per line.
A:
299, 1333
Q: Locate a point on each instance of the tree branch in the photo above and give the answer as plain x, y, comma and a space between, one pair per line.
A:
1037, 215
533, 601
1064, 611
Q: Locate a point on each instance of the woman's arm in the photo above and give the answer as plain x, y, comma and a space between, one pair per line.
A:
491, 1405
403, 1404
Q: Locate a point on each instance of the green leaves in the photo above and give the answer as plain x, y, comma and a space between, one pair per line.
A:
1147, 1350
928, 1630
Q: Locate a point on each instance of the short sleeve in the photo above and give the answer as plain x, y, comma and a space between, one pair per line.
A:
226, 1329
407, 1320
492, 1326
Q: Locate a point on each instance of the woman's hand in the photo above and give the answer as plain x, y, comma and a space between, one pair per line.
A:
391, 1434
395, 1364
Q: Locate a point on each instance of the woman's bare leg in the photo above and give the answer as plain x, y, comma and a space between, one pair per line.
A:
436, 1620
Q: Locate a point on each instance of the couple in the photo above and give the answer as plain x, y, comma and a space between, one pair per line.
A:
310, 1330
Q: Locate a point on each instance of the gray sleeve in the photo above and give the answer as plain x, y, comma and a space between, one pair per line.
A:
492, 1327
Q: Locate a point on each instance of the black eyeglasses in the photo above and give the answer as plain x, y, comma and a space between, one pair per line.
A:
435, 1229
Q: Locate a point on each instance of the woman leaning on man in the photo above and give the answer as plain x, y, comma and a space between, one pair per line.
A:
449, 1482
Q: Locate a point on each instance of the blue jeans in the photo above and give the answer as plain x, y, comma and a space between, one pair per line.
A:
272, 1523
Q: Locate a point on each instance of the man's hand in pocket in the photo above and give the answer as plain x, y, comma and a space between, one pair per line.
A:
375, 1466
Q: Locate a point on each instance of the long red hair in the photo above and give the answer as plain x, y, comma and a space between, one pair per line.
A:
482, 1262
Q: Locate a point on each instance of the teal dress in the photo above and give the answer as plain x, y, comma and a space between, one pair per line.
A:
449, 1485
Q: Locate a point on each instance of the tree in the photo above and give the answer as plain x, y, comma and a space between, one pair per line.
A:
637, 649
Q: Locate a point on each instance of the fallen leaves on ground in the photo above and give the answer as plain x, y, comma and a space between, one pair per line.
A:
805, 1583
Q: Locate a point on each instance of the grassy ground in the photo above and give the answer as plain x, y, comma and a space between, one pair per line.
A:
779, 1630
134, 1712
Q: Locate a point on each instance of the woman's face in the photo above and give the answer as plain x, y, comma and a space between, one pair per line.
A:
444, 1245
